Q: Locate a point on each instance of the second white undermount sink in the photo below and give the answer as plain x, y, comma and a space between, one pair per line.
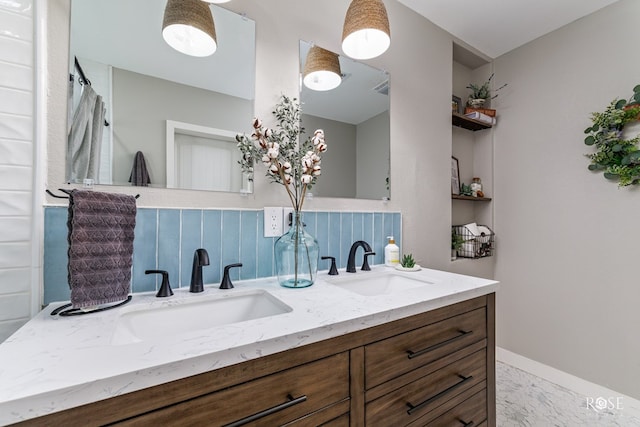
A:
372, 284
168, 319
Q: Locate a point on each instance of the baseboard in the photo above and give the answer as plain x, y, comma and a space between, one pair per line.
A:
630, 406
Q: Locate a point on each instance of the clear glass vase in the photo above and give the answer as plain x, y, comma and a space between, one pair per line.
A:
296, 254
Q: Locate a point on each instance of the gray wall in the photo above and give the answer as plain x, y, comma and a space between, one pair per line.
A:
357, 161
338, 177
373, 157
141, 107
568, 239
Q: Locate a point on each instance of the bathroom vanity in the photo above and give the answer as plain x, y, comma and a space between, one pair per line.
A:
417, 348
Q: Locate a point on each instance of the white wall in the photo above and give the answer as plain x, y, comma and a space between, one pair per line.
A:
18, 220
568, 252
416, 104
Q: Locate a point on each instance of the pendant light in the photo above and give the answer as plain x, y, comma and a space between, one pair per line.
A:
217, 1
321, 69
366, 31
188, 27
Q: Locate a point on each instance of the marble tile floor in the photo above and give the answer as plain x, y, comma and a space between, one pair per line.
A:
526, 400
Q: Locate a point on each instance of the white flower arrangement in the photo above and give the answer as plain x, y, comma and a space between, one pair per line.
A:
293, 163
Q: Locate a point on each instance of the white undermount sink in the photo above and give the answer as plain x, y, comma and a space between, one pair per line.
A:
373, 284
150, 322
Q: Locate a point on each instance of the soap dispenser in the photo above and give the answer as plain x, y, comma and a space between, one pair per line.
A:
391, 253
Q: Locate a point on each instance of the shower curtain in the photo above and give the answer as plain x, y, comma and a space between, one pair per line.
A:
85, 137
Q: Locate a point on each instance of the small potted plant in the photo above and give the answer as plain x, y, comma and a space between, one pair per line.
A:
456, 244
407, 263
481, 93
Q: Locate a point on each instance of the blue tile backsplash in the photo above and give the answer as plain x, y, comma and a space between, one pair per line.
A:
166, 239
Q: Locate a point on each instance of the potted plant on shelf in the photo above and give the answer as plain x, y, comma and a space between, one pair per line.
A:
481, 93
456, 244
294, 164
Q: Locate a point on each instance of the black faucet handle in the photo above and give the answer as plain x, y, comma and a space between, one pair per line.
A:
165, 288
333, 270
365, 263
226, 280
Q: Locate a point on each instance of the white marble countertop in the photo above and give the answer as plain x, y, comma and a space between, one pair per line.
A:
56, 363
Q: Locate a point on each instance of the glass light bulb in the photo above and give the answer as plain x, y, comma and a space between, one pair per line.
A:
366, 43
322, 80
189, 40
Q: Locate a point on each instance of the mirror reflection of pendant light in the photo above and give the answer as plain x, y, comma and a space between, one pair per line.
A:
366, 33
188, 27
321, 69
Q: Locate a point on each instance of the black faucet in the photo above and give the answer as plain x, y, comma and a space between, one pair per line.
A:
351, 261
200, 258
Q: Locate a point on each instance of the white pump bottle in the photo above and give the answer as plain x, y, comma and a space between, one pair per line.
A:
391, 253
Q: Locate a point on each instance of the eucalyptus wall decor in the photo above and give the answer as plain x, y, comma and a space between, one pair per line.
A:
616, 153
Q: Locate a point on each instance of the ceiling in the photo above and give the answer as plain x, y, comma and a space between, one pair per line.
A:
495, 27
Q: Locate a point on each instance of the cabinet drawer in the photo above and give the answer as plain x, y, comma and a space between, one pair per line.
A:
313, 421
272, 400
471, 412
336, 415
407, 404
397, 355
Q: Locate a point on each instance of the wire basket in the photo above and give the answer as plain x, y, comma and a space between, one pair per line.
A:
477, 245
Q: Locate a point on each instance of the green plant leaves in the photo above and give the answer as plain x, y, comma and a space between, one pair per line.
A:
617, 156
630, 158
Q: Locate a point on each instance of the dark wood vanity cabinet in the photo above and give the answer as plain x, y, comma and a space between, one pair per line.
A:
432, 369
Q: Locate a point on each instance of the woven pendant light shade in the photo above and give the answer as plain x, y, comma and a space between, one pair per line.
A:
321, 69
366, 31
188, 27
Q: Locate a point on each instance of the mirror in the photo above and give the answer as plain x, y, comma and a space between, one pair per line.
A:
147, 87
355, 119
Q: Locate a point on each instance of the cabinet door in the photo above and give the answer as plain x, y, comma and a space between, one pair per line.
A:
273, 400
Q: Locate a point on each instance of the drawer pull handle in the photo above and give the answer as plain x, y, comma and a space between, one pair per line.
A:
412, 354
421, 405
291, 402
469, 424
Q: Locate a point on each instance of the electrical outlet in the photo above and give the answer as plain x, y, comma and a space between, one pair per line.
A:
286, 212
272, 222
